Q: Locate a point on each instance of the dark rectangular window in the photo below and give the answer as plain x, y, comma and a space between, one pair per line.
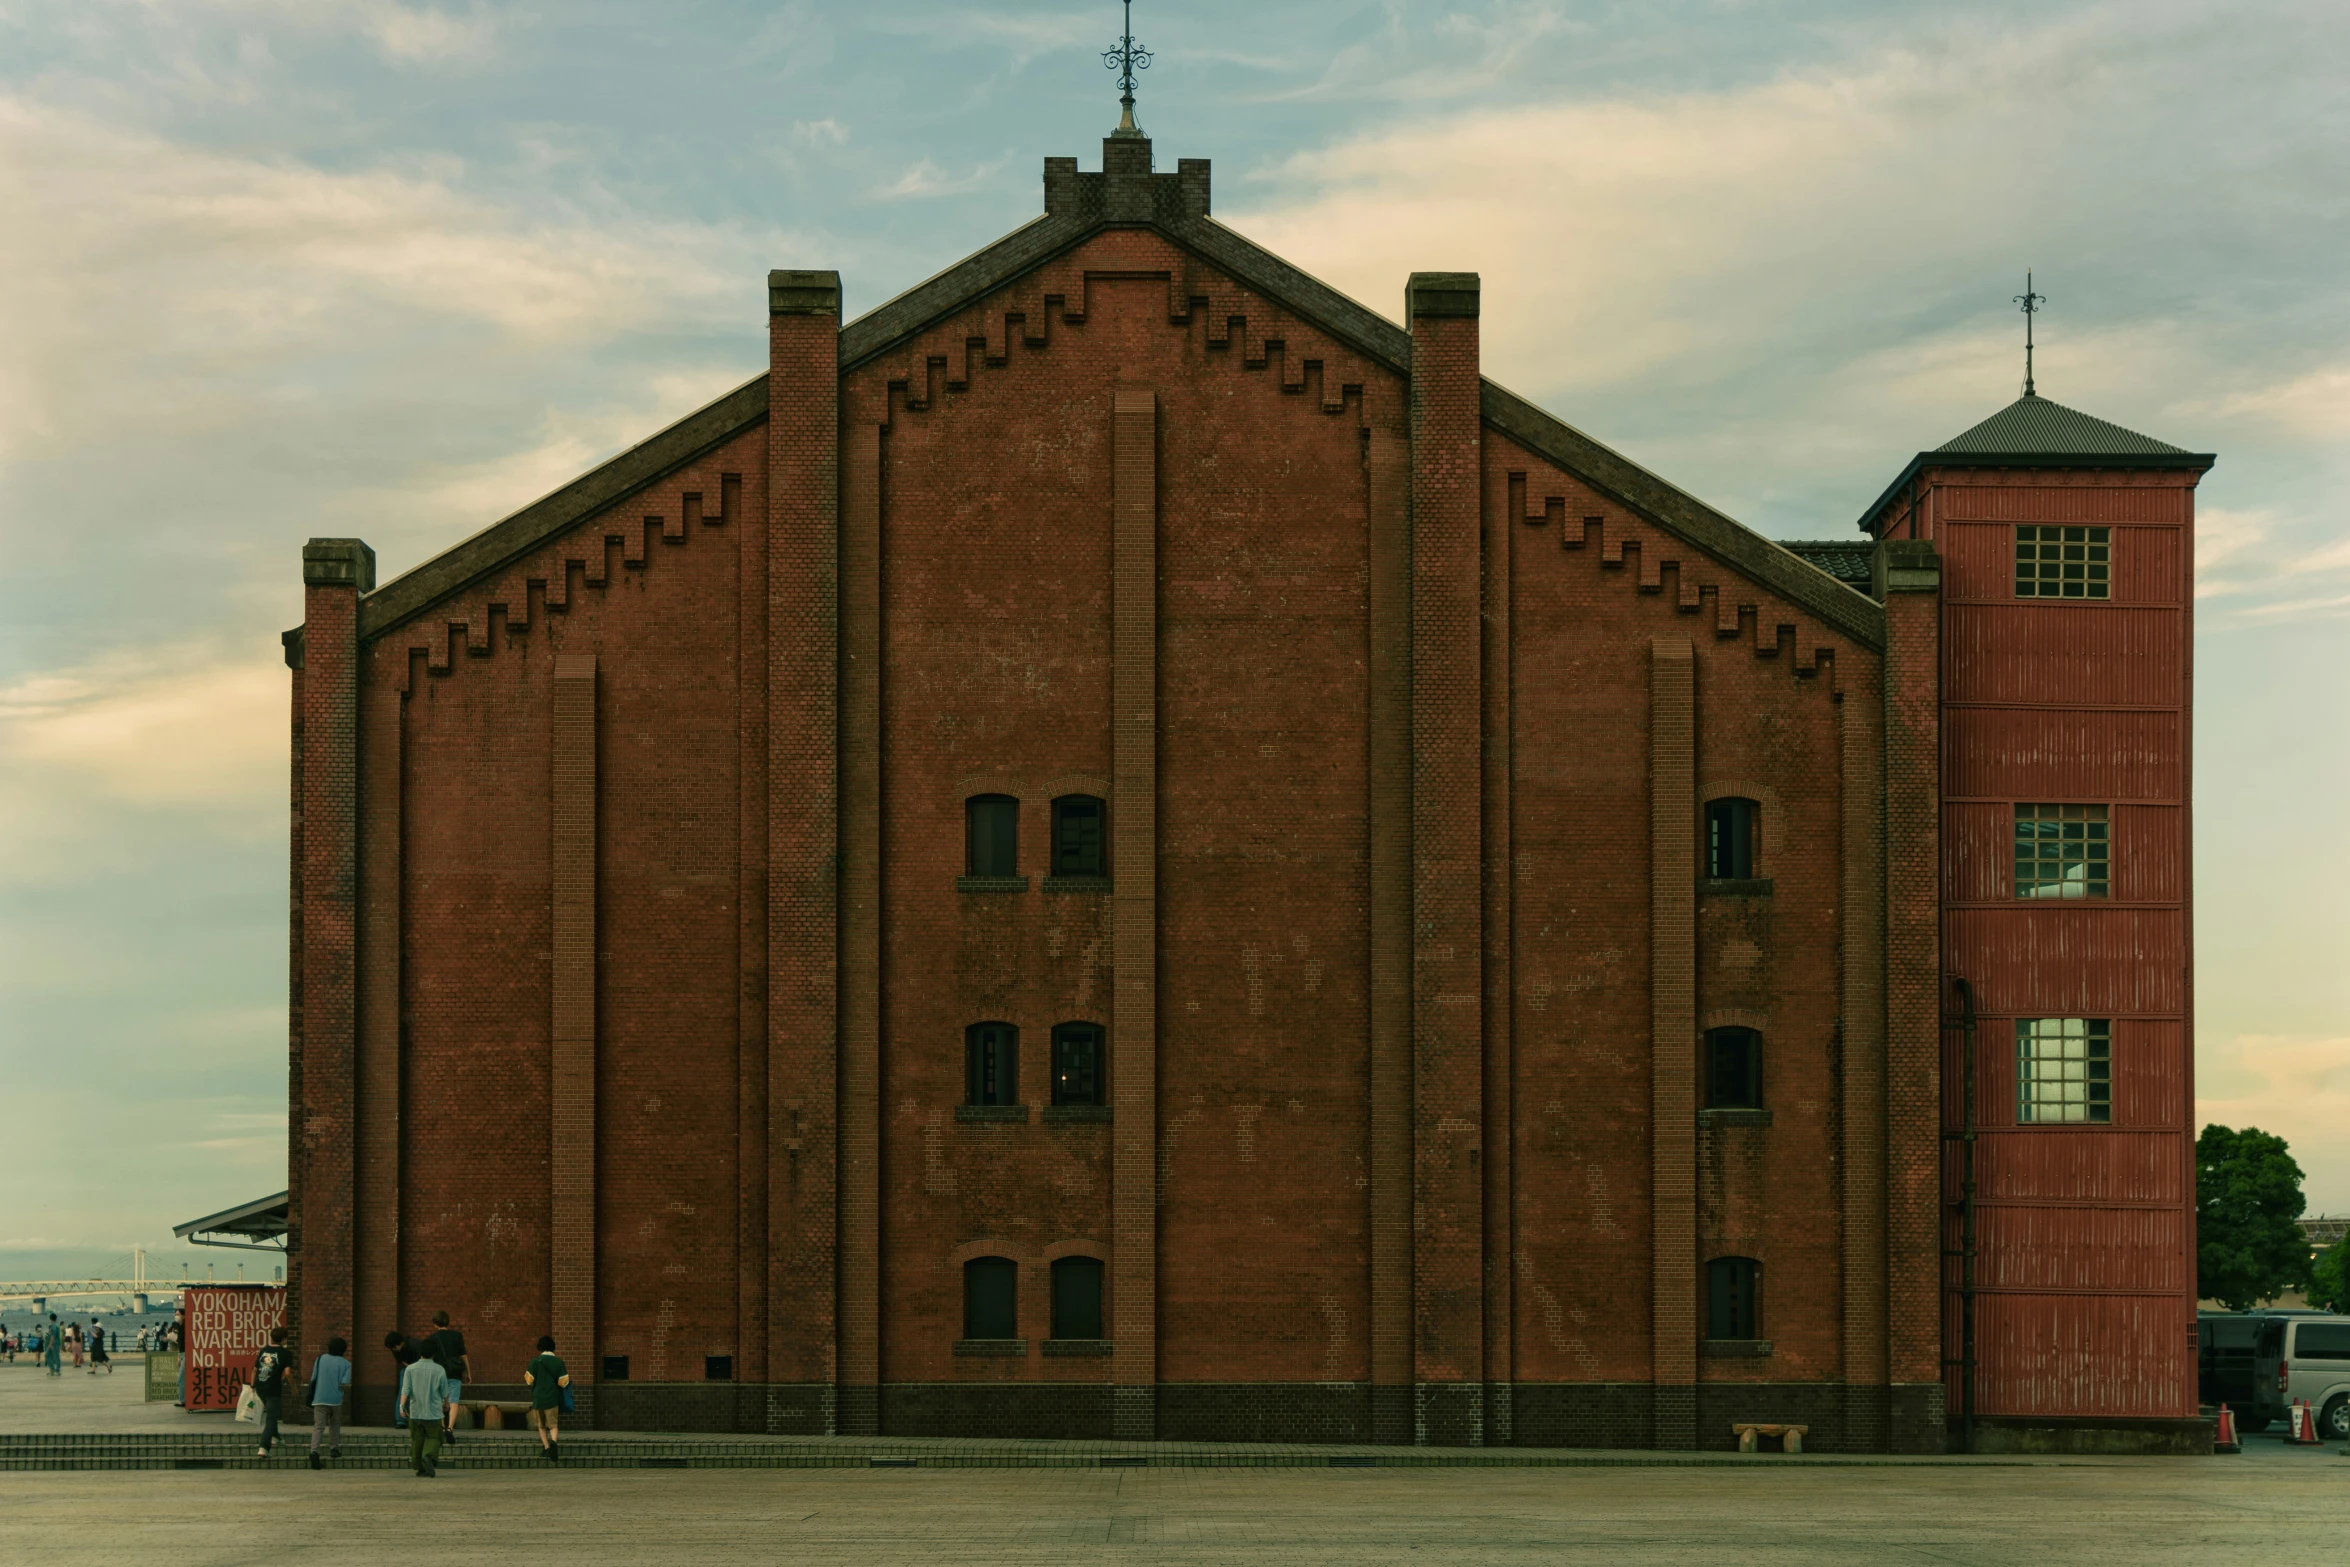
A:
615, 1368
991, 1053
1077, 1064
1729, 1299
991, 1298
2071, 563
1077, 1298
2064, 1069
718, 1368
1733, 1069
992, 833
2311, 1340
2061, 851
1077, 836
1729, 838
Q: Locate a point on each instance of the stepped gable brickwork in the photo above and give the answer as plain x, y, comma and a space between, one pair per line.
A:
631, 994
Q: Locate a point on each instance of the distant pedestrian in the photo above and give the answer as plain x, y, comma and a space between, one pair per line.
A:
424, 1396
52, 1347
73, 1341
547, 1377
98, 1355
269, 1382
447, 1347
329, 1376
404, 1350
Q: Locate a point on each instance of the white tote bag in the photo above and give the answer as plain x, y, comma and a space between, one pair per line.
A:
249, 1406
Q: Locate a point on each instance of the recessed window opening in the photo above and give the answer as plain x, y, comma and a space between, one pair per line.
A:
2064, 1069
1077, 1064
718, 1368
991, 1298
2052, 562
1077, 836
2061, 851
1733, 1069
615, 1368
1729, 838
991, 1054
1729, 1299
1077, 1298
992, 835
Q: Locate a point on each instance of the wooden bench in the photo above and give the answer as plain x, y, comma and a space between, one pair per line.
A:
492, 1412
1790, 1437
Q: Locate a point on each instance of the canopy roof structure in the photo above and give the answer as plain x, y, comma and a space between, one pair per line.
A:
249, 1226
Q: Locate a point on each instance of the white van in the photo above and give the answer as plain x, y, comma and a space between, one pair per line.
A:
2304, 1360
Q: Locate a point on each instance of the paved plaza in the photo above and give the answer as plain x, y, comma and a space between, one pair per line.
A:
2273, 1504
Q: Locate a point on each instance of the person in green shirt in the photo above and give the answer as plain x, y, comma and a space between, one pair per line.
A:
547, 1377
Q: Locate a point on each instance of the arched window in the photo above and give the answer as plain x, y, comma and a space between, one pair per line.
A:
1077, 1298
1077, 836
1730, 833
1729, 1299
991, 824
991, 1298
1733, 1069
991, 1058
1077, 1064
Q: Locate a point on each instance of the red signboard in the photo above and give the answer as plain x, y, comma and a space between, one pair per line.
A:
226, 1326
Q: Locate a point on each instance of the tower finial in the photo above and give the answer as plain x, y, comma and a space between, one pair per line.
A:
2031, 304
1126, 59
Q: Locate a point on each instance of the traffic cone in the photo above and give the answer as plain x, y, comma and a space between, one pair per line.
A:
2300, 1425
2223, 1440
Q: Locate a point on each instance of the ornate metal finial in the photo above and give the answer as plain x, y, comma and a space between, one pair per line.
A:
2031, 304
1126, 59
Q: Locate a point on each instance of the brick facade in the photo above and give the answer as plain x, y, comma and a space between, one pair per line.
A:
635, 949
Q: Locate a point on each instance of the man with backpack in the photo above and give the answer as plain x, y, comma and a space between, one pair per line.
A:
269, 1384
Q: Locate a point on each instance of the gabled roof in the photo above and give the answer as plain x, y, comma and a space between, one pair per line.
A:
2033, 432
1078, 206
1847, 562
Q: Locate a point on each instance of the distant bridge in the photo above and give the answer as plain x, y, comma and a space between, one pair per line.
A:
41, 1291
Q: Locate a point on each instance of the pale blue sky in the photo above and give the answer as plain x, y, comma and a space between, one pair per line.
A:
276, 268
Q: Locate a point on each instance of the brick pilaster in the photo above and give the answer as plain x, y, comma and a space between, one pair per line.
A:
803, 843
1448, 1047
1909, 581
571, 1218
1672, 989
1861, 1039
376, 1224
860, 929
1134, 1064
1500, 1043
754, 1139
335, 572
1388, 494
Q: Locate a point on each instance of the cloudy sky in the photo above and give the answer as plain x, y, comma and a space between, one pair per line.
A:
277, 268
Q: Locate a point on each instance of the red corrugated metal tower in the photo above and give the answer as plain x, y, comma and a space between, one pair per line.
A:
2067, 557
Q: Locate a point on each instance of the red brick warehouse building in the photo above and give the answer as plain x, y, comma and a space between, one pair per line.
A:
1124, 847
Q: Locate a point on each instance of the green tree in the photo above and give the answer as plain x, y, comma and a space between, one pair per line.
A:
2329, 1277
2247, 1195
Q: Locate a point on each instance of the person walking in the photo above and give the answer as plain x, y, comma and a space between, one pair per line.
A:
547, 1377
73, 1341
424, 1395
447, 1347
403, 1349
98, 1355
330, 1374
53, 1347
269, 1382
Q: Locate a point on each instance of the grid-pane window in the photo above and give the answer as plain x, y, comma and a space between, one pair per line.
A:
1729, 837
991, 1054
991, 1296
1729, 1299
1077, 835
2061, 851
2067, 563
1077, 1064
2064, 1069
1077, 1298
992, 835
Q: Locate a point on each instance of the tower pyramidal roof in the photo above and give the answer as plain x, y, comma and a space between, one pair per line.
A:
2032, 424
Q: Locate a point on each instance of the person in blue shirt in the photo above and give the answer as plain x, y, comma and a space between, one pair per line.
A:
330, 1375
424, 1398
